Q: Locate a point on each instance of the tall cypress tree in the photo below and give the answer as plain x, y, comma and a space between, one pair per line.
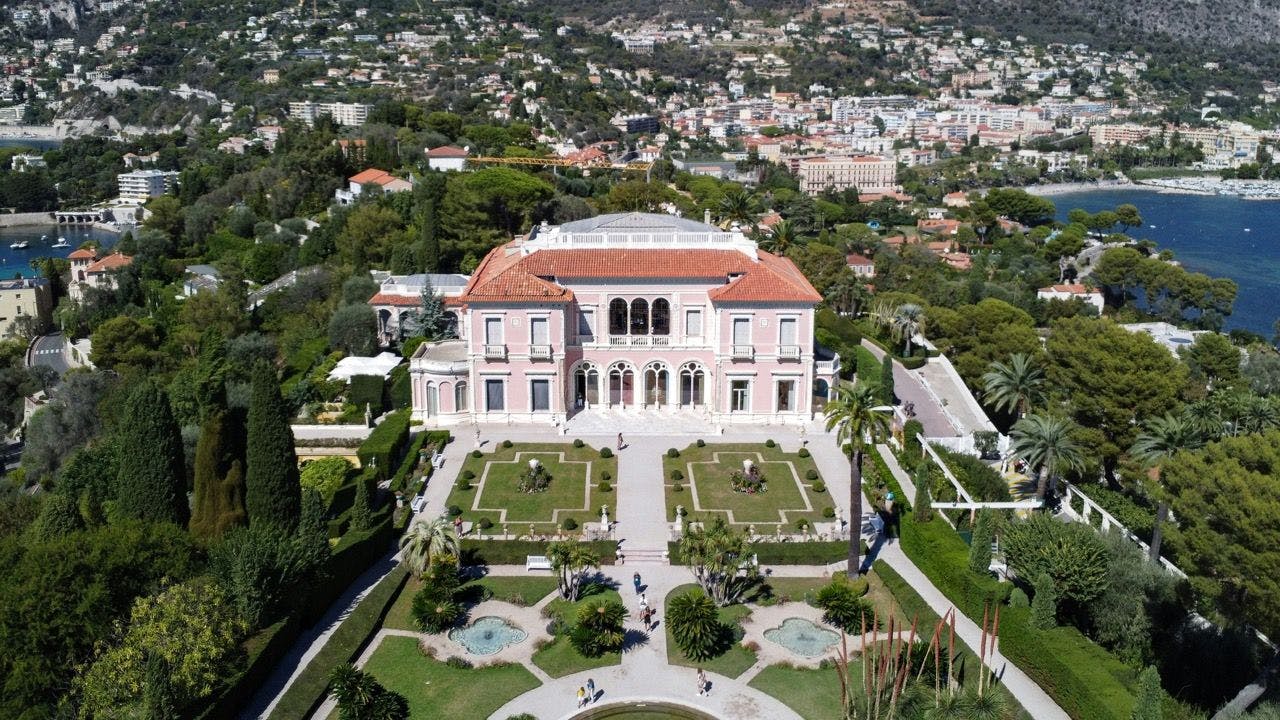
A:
429, 244
273, 495
888, 393
151, 483
219, 477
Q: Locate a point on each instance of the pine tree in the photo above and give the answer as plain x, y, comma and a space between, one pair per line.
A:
219, 478
980, 545
273, 495
362, 508
428, 319
151, 483
1150, 700
887, 391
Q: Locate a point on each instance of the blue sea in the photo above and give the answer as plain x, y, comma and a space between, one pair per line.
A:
1215, 235
15, 263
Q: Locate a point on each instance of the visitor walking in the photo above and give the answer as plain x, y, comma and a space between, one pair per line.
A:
635, 580
619, 442
653, 618
591, 690
644, 601
582, 696
457, 525
702, 683
645, 616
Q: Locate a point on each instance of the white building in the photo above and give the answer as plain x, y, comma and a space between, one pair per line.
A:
446, 158
350, 114
145, 184
1090, 296
866, 173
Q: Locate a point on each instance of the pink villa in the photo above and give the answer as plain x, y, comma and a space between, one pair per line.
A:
627, 312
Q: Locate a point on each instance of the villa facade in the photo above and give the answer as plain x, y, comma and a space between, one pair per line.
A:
627, 312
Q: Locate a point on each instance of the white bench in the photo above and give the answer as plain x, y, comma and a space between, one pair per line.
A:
437, 460
537, 562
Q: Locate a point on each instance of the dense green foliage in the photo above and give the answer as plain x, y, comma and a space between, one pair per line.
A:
695, 624
152, 481
382, 449
218, 504
272, 490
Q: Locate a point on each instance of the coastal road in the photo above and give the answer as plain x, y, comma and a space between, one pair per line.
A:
49, 351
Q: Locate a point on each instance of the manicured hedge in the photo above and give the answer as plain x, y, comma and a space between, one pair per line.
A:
868, 367
788, 553
409, 463
1083, 678
383, 448
366, 390
514, 552
913, 606
311, 686
400, 389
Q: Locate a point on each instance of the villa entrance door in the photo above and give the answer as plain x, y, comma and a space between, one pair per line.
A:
655, 386
621, 387
692, 385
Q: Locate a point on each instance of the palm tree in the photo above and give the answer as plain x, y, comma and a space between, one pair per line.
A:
779, 238
858, 421
1015, 386
424, 540
907, 321
739, 206
1046, 444
570, 560
1155, 446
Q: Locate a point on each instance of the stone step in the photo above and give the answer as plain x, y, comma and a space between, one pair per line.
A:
648, 556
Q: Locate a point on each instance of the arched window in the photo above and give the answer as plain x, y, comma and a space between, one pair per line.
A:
617, 316
460, 397
639, 316
586, 386
661, 317
692, 384
433, 400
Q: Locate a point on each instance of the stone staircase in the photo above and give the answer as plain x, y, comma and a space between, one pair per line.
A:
645, 556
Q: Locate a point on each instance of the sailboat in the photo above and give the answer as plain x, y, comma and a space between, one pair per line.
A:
62, 243
19, 245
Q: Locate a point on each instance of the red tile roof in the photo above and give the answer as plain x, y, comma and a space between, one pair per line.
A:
446, 151
82, 254
111, 262
370, 175
507, 275
853, 259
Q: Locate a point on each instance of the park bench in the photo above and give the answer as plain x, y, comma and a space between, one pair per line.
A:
437, 460
537, 562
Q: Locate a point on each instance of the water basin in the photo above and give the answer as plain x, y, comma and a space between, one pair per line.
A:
487, 635
802, 637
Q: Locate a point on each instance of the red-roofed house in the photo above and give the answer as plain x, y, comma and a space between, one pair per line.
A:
91, 270
631, 312
1091, 296
861, 265
371, 180
446, 158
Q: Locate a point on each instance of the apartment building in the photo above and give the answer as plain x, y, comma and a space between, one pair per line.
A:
23, 297
869, 174
349, 114
146, 184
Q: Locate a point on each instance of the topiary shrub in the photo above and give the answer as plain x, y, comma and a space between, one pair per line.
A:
604, 487
506, 444
828, 512
676, 476
677, 488
606, 475
464, 484
454, 511
467, 475
702, 443
819, 487
606, 453
802, 524
569, 524
673, 453
485, 523
578, 443
477, 454
804, 452
1044, 605
811, 474
770, 443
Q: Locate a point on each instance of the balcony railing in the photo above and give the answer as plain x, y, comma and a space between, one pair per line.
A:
788, 352
639, 341
743, 352
495, 352
540, 352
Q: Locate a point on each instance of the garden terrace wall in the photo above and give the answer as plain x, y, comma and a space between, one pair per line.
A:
383, 448
788, 553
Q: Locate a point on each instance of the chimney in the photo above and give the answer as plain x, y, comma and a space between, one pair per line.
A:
706, 216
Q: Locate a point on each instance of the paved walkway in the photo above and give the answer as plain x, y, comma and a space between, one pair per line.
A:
909, 388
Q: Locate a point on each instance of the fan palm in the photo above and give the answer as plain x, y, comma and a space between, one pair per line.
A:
1014, 386
424, 540
571, 561
1155, 446
907, 321
858, 422
739, 206
779, 238
1046, 444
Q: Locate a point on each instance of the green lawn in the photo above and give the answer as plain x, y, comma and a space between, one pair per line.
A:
434, 689
814, 694
706, 474
499, 500
560, 658
515, 590
734, 661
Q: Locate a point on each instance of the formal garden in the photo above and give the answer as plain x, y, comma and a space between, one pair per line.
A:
747, 484
534, 489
